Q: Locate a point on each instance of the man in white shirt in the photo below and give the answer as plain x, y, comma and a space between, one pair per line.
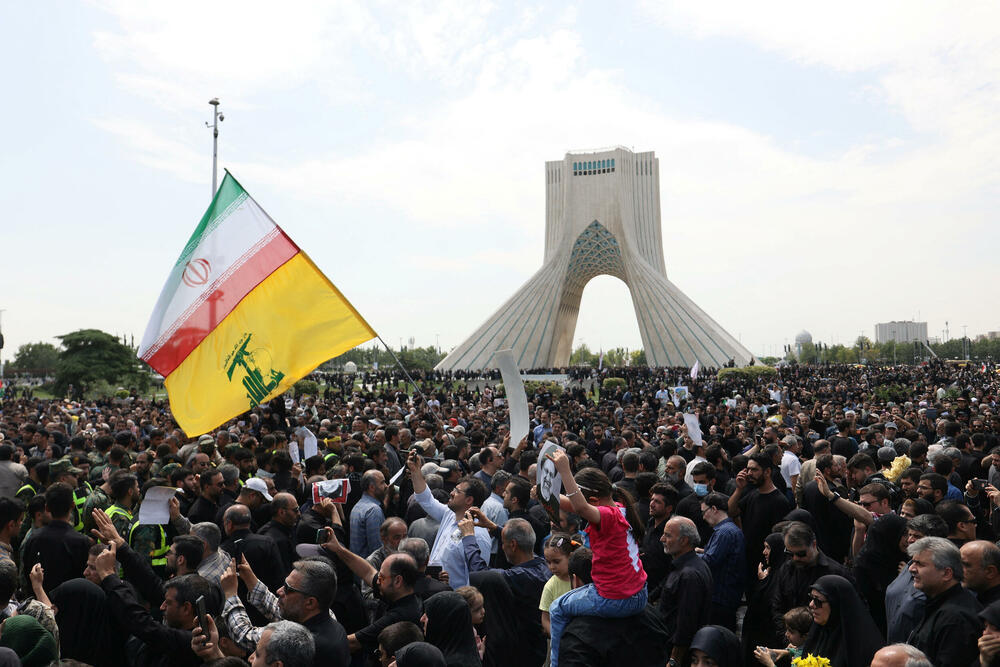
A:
790, 464
447, 550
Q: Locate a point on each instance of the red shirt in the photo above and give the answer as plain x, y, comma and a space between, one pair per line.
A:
617, 571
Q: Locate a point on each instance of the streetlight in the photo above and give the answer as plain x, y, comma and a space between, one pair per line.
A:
1, 347
217, 118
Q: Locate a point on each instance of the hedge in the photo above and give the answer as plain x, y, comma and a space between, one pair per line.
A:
612, 383
748, 373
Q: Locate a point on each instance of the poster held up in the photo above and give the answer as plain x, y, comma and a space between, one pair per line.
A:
517, 400
548, 480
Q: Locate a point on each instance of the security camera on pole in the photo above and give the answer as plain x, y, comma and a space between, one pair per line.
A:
217, 117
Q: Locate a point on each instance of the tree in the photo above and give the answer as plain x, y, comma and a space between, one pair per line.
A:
39, 358
638, 357
90, 355
582, 356
614, 358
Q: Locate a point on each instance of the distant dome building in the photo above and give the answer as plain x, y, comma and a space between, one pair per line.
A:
803, 337
350, 367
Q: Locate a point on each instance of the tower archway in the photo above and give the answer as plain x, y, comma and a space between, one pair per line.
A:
602, 218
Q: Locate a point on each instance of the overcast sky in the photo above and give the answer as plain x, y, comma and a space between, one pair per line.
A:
822, 167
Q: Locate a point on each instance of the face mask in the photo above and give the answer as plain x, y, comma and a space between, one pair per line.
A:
700, 490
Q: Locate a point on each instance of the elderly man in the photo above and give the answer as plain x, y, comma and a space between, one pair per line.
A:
511, 595
391, 533
687, 588
900, 655
951, 625
284, 643
904, 604
368, 515
981, 566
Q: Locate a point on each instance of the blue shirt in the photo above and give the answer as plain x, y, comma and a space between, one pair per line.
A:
540, 432
366, 520
725, 555
447, 550
495, 511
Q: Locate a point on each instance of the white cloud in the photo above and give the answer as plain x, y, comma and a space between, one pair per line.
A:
768, 225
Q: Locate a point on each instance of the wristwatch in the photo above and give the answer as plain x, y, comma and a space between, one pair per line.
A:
835, 497
672, 662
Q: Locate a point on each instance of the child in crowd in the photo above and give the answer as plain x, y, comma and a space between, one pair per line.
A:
797, 624
557, 550
619, 581
477, 608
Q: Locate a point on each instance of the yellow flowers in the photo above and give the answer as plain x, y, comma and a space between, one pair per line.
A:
899, 465
811, 661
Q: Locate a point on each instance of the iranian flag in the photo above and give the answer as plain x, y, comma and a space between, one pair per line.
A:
243, 316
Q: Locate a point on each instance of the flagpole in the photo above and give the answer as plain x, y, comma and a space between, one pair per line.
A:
216, 119
416, 389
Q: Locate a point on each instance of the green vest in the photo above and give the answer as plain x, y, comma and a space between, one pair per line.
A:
79, 501
158, 556
118, 510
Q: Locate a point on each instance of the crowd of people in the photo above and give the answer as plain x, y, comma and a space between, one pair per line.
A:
828, 514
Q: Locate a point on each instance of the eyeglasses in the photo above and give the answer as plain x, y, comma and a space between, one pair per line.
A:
815, 601
797, 554
291, 589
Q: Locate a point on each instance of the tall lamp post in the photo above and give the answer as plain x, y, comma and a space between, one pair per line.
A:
1, 349
217, 117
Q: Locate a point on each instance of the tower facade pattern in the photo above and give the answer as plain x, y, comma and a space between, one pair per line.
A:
602, 217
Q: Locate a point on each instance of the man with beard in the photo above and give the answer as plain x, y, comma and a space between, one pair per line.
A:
183, 558
655, 561
675, 470
447, 550
367, 515
185, 480
167, 643
758, 508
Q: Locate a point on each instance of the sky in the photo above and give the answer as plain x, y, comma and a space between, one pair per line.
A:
822, 167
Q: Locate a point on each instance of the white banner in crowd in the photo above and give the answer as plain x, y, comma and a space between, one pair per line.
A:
693, 427
695, 369
155, 507
517, 400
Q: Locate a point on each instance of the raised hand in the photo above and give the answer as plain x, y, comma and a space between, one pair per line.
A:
105, 530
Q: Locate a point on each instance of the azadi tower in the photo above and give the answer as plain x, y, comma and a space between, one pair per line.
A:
602, 217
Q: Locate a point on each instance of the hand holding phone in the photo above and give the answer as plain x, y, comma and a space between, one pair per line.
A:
202, 615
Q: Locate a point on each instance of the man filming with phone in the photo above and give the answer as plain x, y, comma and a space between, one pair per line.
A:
447, 550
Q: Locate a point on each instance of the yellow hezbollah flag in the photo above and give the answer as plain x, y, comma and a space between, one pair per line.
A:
243, 316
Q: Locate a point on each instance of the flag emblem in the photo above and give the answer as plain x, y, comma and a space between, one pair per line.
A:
196, 272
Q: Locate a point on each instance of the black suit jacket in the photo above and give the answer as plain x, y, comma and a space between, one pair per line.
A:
261, 553
61, 550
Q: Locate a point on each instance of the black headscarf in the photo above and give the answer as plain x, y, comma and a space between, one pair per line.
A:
720, 644
776, 543
449, 627
87, 631
420, 654
850, 637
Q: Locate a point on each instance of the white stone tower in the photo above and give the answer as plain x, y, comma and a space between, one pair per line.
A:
602, 217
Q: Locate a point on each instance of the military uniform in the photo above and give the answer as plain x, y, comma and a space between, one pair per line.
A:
121, 519
99, 499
